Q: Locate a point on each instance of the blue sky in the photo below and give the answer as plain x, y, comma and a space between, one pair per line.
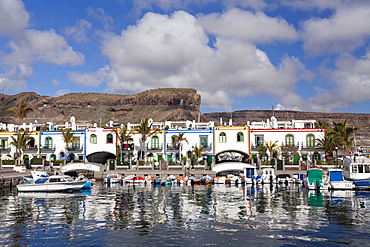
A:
309, 55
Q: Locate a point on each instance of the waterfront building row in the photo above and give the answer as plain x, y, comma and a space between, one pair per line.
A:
296, 142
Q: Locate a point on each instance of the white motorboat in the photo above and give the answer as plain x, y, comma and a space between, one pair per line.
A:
268, 176
43, 182
337, 181
357, 169
113, 177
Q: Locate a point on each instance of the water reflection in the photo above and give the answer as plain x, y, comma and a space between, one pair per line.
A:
284, 213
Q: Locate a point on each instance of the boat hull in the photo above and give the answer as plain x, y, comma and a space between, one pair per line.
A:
46, 187
341, 185
362, 184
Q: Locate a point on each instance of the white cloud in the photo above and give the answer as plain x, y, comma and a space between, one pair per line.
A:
345, 31
93, 79
55, 82
13, 18
99, 14
35, 45
79, 31
61, 92
320, 4
249, 27
172, 51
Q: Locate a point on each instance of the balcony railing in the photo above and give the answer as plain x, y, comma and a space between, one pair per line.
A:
75, 148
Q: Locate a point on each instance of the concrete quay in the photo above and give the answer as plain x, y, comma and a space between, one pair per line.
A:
10, 178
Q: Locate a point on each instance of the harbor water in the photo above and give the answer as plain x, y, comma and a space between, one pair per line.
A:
199, 215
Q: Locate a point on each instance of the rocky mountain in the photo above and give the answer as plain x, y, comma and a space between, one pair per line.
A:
159, 104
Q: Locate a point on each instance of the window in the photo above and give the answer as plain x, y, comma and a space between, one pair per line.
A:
203, 140
48, 143
93, 139
53, 157
260, 140
240, 137
222, 137
155, 142
76, 143
289, 140
109, 138
4, 143
310, 140
31, 143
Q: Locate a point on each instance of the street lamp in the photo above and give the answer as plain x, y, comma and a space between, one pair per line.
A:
1, 161
336, 156
129, 160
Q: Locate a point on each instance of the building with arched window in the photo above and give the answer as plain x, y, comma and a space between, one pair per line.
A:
296, 140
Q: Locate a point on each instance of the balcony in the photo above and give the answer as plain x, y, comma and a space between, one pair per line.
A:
75, 148
47, 148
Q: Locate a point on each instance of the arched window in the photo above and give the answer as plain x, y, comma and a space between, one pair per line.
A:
289, 140
310, 140
222, 137
61, 155
240, 137
150, 157
93, 139
109, 138
155, 142
76, 144
48, 143
53, 157
31, 143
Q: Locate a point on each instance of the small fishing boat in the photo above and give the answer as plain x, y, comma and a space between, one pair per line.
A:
43, 182
315, 180
268, 176
298, 178
193, 180
283, 178
219, 180
113, 177
337, 181
206, 179
250, 174
357, 169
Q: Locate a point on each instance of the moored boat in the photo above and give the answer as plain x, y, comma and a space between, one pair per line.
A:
315, 180
337, 181
113, 177
45, 183
357, 169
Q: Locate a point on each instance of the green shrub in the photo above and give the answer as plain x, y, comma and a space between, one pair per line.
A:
8, 162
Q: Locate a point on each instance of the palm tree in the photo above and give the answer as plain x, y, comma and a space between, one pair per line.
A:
68, 138
272, 148
322, 125
329, 143
20, 143
21, 112
123, 136
144, 129
344, 134
178, 139
198, 152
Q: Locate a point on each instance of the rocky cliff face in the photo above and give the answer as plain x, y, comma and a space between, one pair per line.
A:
159, 104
